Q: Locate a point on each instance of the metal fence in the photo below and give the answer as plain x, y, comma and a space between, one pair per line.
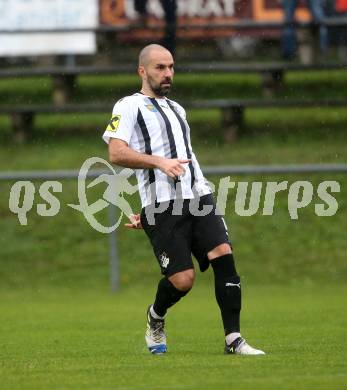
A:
217, 170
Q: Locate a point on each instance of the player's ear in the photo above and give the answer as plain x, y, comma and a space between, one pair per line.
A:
141, 71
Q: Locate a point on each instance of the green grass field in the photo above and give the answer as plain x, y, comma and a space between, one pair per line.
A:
60, 326
73, 339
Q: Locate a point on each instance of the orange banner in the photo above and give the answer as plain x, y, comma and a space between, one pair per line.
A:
341, 5
194, 13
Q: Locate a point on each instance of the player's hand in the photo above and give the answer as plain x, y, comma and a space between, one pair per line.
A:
135, 222
173, 167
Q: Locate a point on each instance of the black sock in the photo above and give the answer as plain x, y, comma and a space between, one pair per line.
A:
228, 292
204, 264
167, 296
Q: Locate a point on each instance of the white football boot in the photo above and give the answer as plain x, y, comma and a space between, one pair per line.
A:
240, 347
155, 334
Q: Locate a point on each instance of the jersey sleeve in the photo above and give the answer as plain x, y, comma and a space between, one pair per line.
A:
122, 122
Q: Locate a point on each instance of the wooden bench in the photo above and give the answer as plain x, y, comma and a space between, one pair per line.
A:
23, 116
64, 77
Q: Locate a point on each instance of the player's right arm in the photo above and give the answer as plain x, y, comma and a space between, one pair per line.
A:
121, 154
118, 136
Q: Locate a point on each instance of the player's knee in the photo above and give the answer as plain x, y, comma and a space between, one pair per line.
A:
220, 250
184, 280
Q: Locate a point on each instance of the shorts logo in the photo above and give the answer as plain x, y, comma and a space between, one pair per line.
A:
164, 260
233, 285
151, 108
113, 123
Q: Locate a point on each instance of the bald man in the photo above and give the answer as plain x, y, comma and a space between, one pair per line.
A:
150, 133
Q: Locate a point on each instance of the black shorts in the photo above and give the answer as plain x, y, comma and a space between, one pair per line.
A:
175, 238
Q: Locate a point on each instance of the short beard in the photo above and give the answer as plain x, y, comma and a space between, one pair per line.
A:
159, 90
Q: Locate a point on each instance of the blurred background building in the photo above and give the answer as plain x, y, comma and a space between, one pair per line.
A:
227, 28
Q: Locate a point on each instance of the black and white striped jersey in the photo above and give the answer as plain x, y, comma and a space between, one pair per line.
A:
158, 127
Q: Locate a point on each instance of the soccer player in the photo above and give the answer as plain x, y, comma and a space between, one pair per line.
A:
149, 132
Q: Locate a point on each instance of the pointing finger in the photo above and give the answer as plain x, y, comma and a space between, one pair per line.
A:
184, 160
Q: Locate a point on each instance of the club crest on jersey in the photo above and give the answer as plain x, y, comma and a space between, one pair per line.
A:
113, 123
164, 260
151, 108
